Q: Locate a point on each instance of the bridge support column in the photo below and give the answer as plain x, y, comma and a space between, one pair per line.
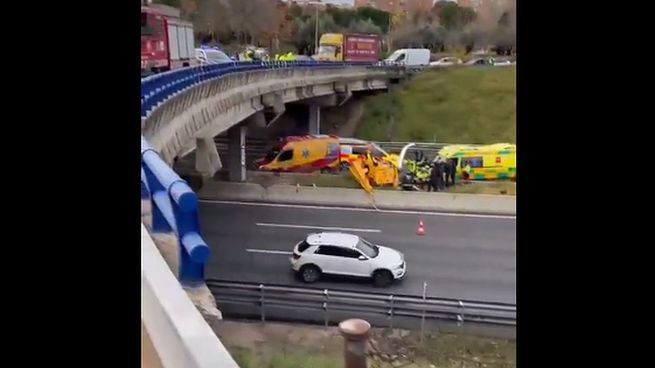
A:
236, 146
314, 119
273, 107
208, 162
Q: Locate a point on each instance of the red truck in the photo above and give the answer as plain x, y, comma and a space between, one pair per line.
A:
349, 47
167, 41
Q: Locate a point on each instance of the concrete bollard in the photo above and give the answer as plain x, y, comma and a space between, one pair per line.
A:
355, 334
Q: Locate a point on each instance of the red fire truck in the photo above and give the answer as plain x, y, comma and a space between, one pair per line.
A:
166, 40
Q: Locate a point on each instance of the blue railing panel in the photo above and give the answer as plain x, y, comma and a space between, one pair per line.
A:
174, 209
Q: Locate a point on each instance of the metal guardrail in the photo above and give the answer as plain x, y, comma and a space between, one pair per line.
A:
260, 146
427, 148
392, 306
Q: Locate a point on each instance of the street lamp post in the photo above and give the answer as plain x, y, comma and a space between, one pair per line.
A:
316, 4
391, 10
316, 31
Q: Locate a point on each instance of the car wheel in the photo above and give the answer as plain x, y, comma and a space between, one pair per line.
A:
310, 273
382, 278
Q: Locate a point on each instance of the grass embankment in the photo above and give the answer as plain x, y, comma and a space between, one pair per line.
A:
455, 105
299, 346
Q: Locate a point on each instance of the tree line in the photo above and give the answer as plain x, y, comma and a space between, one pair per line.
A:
281, 26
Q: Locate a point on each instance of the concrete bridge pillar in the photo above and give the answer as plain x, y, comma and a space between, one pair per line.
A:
314, 119
208, 162
236, 138
273, 107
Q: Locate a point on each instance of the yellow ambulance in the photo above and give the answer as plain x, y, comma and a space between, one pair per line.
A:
489, 162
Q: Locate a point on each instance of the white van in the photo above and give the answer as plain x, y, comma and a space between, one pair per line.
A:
409, 57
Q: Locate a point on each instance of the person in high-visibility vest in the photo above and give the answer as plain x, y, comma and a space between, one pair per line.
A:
290, 56
466, 171
247, 56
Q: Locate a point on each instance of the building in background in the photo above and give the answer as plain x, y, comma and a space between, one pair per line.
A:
396, 6
323, 3
385, 5
413, 6
309, 3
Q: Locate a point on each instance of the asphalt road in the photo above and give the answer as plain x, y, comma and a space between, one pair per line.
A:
466, 257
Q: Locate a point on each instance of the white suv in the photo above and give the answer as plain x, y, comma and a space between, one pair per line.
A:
348, 255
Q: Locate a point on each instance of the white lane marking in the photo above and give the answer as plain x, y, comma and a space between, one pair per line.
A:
292, 226
269, 251
355, 209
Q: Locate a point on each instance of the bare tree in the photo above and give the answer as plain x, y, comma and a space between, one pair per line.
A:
212, 18
252, 19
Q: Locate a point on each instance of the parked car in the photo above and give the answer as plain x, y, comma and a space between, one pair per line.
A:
446, 61
478, 62
504, 62
346, 255
211, 56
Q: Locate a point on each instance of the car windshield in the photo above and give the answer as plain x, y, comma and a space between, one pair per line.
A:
272, 154
370, 250
396, 54
327, 50
217, 56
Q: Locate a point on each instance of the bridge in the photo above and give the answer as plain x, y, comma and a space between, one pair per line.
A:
184, 111
181, 112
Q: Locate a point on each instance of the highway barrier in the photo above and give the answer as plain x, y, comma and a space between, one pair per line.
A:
178, 332
345, 197
329, 306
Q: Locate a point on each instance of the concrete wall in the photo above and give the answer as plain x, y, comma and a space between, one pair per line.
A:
212, 107
177, 331
382, 199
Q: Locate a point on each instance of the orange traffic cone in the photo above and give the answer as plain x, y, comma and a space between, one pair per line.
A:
421, 228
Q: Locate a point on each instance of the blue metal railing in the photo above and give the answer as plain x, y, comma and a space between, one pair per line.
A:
157, 88
174, 204
174, 209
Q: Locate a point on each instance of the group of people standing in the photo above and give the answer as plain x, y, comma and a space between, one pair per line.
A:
442, 174
259, 55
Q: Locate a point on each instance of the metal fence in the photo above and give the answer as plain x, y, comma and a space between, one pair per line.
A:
328, 304
429, 149
258, 147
